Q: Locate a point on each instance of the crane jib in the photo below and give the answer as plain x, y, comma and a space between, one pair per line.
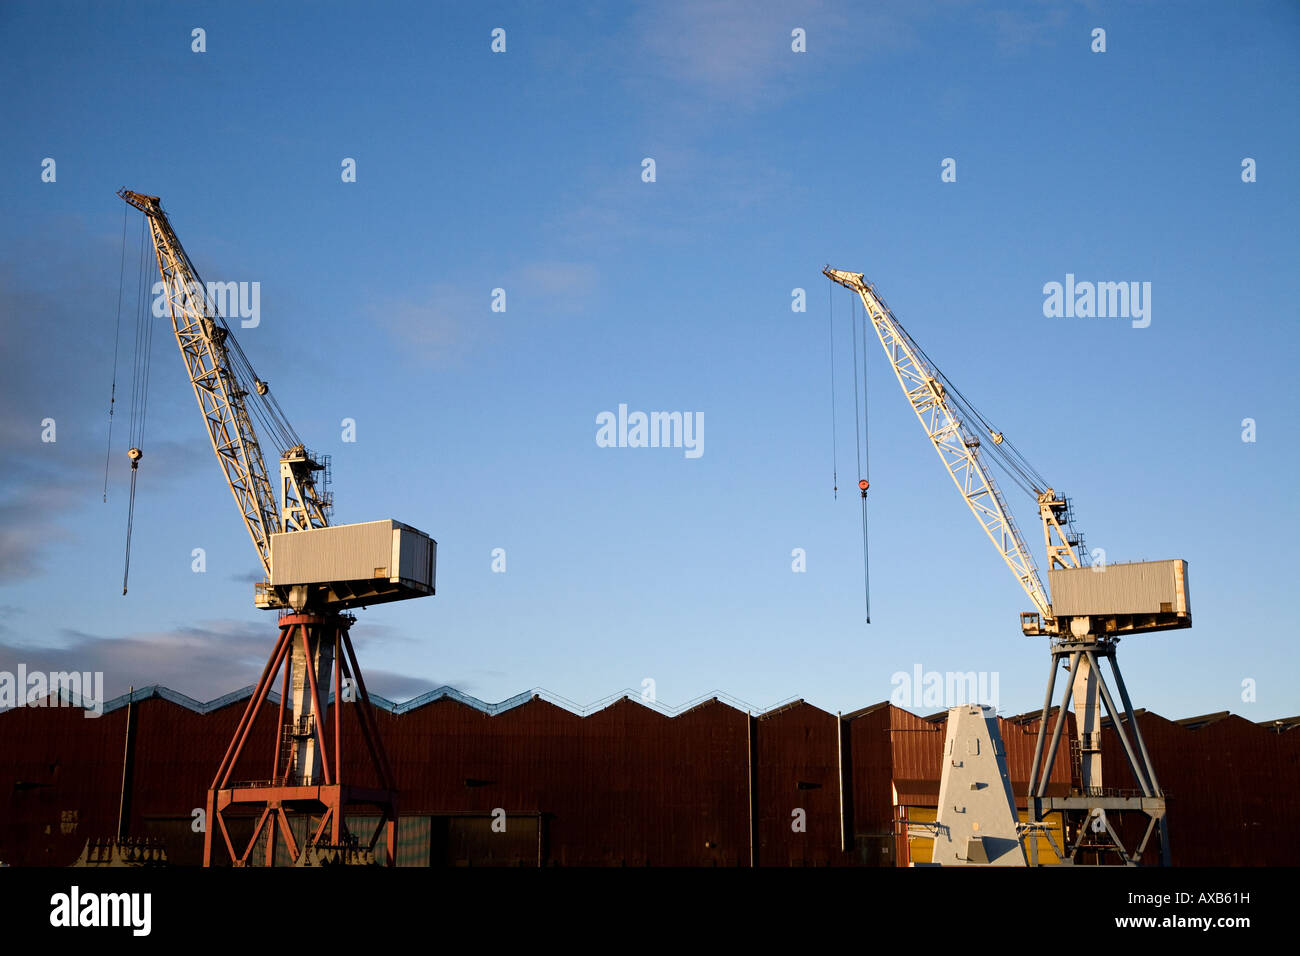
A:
223, 380
957, 447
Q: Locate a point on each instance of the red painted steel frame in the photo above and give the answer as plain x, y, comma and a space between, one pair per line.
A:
330, 798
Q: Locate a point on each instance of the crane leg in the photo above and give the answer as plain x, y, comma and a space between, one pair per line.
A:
1087, 718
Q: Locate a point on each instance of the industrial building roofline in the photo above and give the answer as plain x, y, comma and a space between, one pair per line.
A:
447, 692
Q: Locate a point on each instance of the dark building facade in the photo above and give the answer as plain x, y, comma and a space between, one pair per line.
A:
625, 785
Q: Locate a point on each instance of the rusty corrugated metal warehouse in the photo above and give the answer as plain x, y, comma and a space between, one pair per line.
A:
625, 785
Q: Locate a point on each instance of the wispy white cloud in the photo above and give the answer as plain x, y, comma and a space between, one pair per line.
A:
553, 281
702, 54
445, 323
438, 325
731, 50
1027, 25
738, 53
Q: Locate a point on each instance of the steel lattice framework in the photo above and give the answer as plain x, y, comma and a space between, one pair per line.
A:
202, 333
957, 445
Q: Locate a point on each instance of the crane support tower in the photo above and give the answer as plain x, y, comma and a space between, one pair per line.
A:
1093, 607
976, 823
315, 573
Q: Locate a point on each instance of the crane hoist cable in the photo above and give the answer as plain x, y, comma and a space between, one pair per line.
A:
864, 463
860, 429
117, 339
865, 481
835, 453
857, 420
139, 396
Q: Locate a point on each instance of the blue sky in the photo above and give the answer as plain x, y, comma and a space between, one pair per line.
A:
522, 170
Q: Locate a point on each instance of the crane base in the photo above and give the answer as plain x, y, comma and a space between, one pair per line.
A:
331, 834
306, 773
1085, 808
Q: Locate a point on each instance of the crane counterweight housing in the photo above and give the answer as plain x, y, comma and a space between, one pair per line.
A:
1136, 596
349, 565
